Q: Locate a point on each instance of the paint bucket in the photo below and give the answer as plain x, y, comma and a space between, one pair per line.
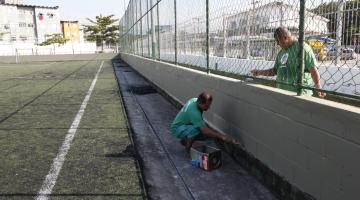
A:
205, 157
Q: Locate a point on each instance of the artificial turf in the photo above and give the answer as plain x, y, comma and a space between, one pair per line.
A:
38, 103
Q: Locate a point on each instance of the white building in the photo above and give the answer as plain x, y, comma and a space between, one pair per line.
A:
27, 23
12, 1
251, 33
264, 19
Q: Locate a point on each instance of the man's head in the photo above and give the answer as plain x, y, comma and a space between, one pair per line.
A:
283, 37
204, 101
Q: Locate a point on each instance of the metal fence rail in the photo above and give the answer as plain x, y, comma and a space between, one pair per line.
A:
237, 36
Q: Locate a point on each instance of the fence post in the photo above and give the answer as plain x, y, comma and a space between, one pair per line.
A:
141, 31
158, 33
136, 28
175, 40
132, 28
148, 28
301, 47
72, 44
207, 38
132, 38
225, 35
247, 48
152, 31
16, 56
339, 29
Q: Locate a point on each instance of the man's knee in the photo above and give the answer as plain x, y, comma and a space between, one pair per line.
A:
187, 131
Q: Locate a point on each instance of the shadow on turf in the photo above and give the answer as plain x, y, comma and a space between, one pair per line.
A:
127, 153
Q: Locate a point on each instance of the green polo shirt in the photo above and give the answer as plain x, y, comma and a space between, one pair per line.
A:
286, 66
190, 114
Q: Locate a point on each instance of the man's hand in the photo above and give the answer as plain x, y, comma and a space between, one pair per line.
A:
222, 136
319, 93
229, 139
226, 138
316, 78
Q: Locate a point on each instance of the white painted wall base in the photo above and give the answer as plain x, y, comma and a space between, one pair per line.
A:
31, 49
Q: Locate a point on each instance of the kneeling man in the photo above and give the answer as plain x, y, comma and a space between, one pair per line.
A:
189, 124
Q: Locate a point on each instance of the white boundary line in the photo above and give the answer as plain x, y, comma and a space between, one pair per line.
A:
51, 178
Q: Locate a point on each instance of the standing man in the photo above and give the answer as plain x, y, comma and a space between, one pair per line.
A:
287, 63
189, 124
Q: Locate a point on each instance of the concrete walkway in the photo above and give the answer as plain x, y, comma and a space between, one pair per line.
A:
165, 164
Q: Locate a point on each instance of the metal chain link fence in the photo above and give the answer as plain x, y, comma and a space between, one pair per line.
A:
233, 37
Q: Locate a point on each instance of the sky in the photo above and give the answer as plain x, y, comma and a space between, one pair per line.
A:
82, 9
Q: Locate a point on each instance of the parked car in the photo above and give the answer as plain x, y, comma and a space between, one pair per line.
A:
345, 54
357, 49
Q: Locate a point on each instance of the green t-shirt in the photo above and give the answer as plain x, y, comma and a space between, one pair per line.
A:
287, 63
190, 114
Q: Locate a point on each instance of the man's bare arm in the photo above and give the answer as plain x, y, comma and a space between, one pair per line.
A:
265, 72
316, 79
212, 133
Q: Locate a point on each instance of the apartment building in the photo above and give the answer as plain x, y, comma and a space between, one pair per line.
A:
71, 30
27, 23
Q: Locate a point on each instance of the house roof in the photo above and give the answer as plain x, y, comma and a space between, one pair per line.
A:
69, 21
277, 4
26, 5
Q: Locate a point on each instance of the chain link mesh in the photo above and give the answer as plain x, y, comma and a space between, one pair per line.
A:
241, 37
339, 47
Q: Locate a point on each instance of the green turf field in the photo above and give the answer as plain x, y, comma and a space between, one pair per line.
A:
38, 104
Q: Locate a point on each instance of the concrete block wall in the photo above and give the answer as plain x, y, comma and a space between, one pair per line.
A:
312, 143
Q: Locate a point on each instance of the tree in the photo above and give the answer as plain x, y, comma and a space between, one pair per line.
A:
103, 30
3, 33
351, 18
56, 38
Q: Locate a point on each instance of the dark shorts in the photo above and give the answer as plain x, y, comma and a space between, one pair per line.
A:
188, 131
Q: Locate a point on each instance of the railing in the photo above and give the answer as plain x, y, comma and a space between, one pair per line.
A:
233, 37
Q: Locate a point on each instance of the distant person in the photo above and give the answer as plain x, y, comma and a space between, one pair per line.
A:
189, 124
287, 63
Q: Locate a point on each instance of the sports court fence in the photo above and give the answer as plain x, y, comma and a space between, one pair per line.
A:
20, 49
237, 36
